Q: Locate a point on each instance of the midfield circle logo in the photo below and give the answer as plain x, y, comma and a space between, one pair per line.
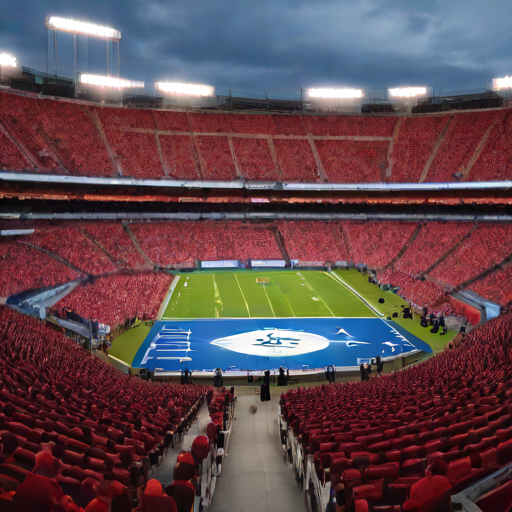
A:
272, 342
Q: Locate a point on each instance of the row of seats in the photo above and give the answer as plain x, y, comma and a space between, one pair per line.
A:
70, 425
64, 137
113, 299
188, 478
450, 416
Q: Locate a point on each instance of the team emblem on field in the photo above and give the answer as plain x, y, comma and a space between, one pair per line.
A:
272, 342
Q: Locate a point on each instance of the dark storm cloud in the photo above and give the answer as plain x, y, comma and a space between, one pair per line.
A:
280, 45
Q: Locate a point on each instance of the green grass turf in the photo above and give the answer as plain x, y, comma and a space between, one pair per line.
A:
125, 347
230, 294
238, 295
371, 293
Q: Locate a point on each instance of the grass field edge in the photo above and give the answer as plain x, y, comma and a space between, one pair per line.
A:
340, 280
167, 298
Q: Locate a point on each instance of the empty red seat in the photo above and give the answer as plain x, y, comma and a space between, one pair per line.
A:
430, 495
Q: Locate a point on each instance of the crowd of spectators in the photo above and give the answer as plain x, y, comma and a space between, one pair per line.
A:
174, 243
494, 162
459, 144
217, 156
413, 146
375, 244
167, 121
75, 431
254, 159
210, 123
314, 241
178, 157
115, 298
113, 118
449, 416
22, 117
432, 242
350, 126
11, 158
137, 153
73, 137
420, 293
25, 268
66, 240
61, 136
497, 286
296, 160
116, 242
488, 245
353, 161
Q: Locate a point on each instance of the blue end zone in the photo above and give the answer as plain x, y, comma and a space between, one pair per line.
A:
261, 343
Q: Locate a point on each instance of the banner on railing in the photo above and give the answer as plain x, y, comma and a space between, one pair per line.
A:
220, 264
15, 232
268, 263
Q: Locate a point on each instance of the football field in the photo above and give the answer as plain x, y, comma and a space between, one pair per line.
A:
300, 318
289, 294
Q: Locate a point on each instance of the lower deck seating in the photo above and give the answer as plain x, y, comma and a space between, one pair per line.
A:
450, 416
25, 268
72, 425
113, 299
419, 293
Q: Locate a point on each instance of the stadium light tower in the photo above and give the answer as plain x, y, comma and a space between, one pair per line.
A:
7, 60
407, 92
81, 28
335, 94
109, 81
205, 91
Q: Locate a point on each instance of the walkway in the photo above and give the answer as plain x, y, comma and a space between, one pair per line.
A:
255, 477
163, 473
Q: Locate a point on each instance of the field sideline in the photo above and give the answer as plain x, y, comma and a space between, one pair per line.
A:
290, 294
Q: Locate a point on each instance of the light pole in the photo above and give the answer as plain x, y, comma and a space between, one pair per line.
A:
410, 71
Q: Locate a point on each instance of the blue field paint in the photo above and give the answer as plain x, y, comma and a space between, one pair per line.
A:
259, 343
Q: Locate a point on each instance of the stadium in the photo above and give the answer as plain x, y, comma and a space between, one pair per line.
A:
170, 259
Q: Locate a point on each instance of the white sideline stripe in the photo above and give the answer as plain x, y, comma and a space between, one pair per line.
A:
119, 361
179, 319
337, 278
167, 299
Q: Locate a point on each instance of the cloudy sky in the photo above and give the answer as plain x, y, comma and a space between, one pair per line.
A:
278, 45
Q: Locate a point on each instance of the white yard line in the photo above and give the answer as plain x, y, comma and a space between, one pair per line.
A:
269, 303
243, 296
284, 295
320, 297
217, 297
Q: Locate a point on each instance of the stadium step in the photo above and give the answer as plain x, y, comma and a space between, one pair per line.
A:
449, 251
409, 242
129, 232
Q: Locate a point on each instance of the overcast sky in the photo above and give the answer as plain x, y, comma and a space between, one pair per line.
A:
278, 45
